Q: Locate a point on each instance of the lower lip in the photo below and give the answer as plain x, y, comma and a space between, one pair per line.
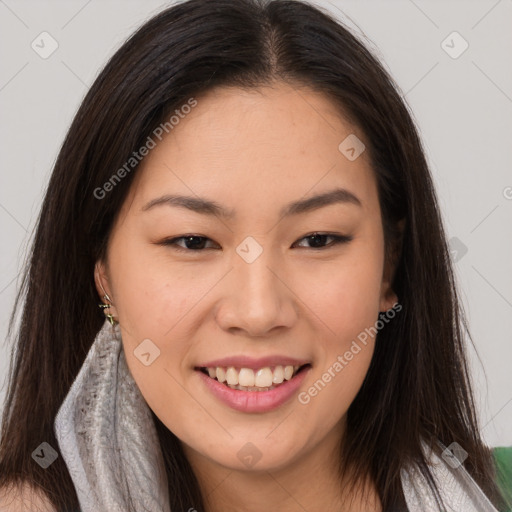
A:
255, 401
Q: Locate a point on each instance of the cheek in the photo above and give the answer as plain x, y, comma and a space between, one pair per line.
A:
348, 309
348, 300
152, 294
155, 357
353, 305
152, 302
332, 389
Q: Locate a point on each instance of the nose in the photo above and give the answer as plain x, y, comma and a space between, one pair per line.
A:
256, 299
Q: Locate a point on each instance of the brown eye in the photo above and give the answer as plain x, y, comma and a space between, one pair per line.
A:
318, 240
196, 243
192, 243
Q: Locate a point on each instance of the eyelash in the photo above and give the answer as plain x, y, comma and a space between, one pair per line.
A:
337, 240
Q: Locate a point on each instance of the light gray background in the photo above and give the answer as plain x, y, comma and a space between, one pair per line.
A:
463, 107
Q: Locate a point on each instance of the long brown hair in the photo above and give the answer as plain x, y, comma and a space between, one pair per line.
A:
418, 384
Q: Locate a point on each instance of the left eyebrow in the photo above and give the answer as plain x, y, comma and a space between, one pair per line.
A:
205, 206
338, 195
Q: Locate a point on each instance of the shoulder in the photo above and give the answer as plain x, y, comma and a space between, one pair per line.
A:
24, 498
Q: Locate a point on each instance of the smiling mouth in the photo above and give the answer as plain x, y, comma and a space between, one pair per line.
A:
263, 379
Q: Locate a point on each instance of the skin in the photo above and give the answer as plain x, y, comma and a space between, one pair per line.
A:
253, 152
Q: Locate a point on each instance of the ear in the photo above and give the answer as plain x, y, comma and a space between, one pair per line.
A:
388, 295
101, 280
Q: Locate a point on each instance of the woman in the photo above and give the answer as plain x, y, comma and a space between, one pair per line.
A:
245, 192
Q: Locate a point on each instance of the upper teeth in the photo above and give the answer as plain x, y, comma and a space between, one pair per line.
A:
262, 378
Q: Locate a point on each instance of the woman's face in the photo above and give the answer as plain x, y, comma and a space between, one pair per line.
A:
254, 284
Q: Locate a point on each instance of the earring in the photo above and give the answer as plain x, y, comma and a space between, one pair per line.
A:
108, 315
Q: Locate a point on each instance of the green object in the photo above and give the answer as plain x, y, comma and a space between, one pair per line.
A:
503, 462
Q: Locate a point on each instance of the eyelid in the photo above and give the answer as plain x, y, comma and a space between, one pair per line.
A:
339, 239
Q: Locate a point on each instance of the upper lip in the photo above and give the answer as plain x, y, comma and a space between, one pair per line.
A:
244, 361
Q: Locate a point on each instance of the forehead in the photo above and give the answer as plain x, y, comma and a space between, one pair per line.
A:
261, 143
270, 121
